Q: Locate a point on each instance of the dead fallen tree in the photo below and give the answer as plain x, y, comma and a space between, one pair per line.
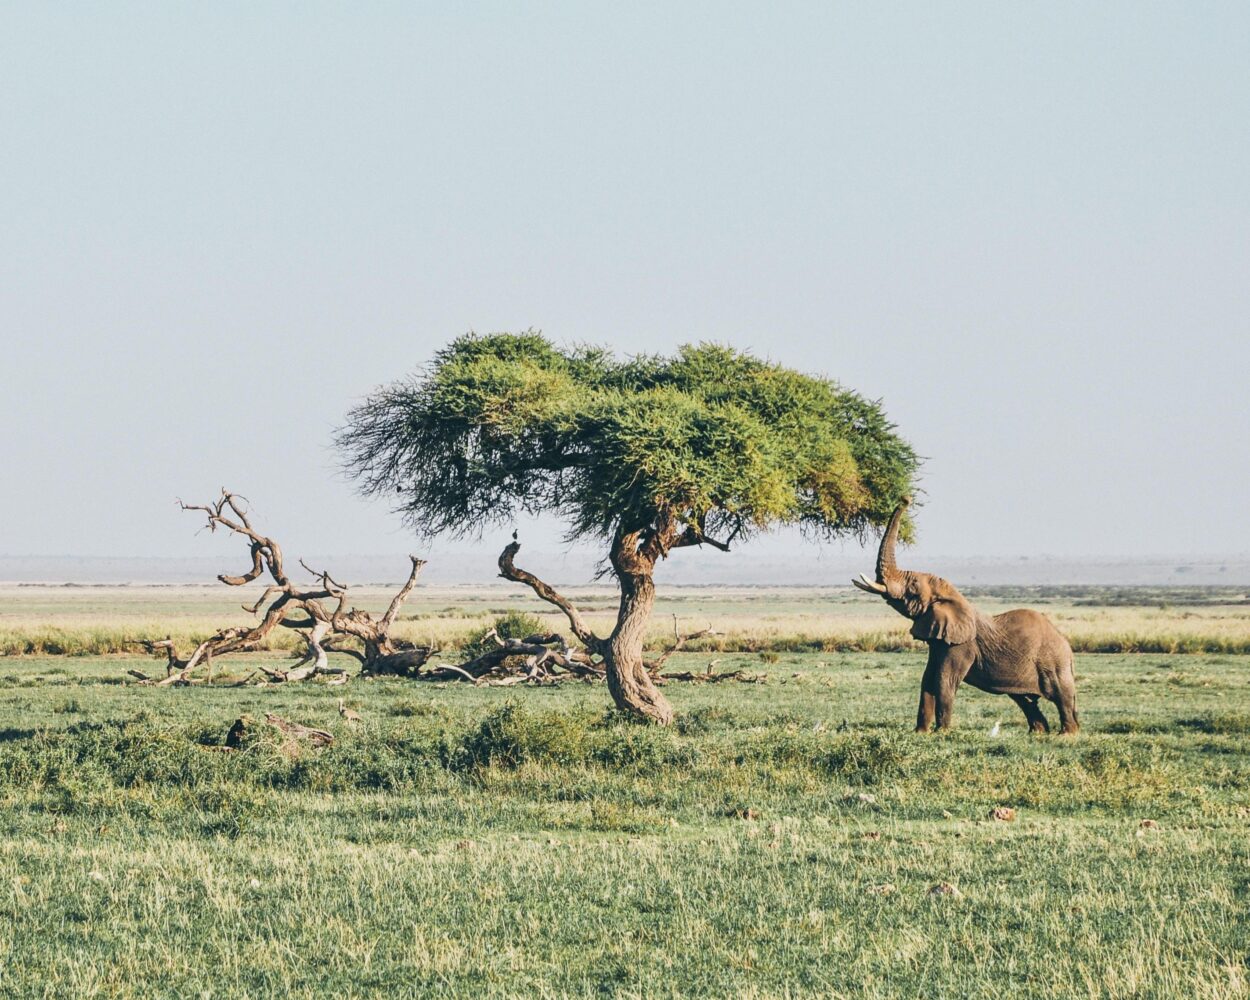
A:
321, 615
318, 613
536, 659
541, 657
295, 736
711, 676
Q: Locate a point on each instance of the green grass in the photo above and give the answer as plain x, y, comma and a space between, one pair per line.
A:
502, 843
93, 621
50, 641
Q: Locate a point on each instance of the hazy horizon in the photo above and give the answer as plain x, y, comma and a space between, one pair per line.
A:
580, 567
1027, 230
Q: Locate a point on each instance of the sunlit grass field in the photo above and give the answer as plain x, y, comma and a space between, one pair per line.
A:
81, 620
785, 839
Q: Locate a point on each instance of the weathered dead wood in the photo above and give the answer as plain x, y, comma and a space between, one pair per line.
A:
286, 605
295, 732
450, 668
710, 676
679, 640
539, 658
401, 663
321, 614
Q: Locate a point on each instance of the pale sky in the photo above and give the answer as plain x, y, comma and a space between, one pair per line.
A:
1026, 227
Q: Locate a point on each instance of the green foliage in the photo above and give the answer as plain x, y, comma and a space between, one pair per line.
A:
713, 437
513, 736
856, 757
511, 625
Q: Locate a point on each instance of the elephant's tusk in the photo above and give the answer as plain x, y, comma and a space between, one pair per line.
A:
871, 586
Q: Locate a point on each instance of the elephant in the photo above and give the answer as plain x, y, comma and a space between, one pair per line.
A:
1018, 653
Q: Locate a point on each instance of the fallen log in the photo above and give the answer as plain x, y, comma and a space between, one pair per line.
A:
294, 732
710, 676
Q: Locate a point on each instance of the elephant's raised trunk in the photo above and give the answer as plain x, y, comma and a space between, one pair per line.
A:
886, 566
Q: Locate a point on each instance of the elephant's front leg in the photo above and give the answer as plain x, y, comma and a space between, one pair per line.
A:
929, 689
951, 667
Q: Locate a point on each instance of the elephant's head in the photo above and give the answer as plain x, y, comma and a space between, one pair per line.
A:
939, 611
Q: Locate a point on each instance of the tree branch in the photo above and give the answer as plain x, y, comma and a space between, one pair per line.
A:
679, 640
510, 571
265, 551
695, 536
397, 601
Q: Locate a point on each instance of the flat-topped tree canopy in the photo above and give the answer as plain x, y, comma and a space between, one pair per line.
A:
722, 442
649, 453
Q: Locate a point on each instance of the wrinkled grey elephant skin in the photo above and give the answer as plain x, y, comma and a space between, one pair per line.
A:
1018, 653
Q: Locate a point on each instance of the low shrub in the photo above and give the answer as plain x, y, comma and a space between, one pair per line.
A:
855, 757
514, 735
512, 625
1226, 724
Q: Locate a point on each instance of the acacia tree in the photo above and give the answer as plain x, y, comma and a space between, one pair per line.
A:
648, 454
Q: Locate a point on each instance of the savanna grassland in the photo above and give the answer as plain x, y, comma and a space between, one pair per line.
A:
78, 620
789, 838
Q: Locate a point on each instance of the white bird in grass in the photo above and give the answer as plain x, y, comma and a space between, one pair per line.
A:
995, 729
348, 714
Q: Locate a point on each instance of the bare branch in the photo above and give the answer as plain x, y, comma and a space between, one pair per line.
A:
709, 676
327, 581
269, 592
457, 670
695, 536
280, 601
679, 641
397, 601
258, 567
510, 571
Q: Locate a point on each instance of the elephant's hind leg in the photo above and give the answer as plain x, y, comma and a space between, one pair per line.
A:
1065, 700
1028, 705
1058, 682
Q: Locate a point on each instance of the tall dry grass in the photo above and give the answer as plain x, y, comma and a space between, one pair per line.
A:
68, 621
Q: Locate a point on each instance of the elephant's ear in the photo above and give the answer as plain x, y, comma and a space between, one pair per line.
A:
949, 620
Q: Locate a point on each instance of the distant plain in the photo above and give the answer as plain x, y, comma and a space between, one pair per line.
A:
91, 619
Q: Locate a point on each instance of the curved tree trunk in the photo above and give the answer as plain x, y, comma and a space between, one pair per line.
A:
633, 557
631, 685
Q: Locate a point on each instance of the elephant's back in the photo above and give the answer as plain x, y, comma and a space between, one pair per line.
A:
1035, 630
1024, 618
